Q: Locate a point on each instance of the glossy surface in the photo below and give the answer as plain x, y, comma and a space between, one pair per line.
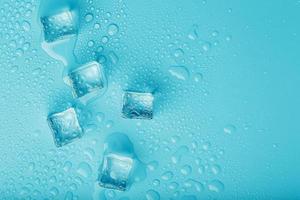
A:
225, 76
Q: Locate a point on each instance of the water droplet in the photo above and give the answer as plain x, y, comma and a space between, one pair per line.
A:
179, 72
198, 77
152, 195
91, 43
104, 39
89, 17
201, 169
100, 117
193, 183
173, 186
69, 196
193, 35
97, 26
36, 71
156, 182
228, 38
100, 49
215, 33
67, 166
26, 25
186, 170
176, 157
112, 29
152, 165
84, 169
109, 124
206, 46
178, 53
14, 68
215, 186
54, 191
229, 129
167, 176
113, 57
215, 169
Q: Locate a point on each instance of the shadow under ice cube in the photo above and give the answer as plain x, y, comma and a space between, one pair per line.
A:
115, 171
59, 26
87, 80
65, 126
137, 105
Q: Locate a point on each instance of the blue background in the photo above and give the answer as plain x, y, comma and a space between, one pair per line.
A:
230, 117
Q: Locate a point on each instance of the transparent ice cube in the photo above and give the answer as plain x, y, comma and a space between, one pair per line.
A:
65, 126
115, 171
59, 26
87, 80
137, 105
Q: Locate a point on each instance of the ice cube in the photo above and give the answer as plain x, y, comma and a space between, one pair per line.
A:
88, 79
137, 105
59, 26
65, 126
115, 171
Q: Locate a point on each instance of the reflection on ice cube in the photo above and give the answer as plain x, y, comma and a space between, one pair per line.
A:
65, 126
88, 80
137, 105
115, 171
59, 26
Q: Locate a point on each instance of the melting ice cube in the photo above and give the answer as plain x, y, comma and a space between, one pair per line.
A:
115, 171
137, 105
59, 26
88, 79
65, 126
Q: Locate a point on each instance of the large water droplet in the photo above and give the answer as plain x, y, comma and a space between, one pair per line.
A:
84, 169
152, 195
112, 29
179, 72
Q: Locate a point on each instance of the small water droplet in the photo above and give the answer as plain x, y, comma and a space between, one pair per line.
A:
176, 157
91, 43
113, 57
167, 176
100, 117
26, 25
156, 182
215, 169
97, 26
14, 68
215, 186
229, 129
104, 39
193, 35
206, 46
152, 165
89, 17
178, 53
186, 170
198, 77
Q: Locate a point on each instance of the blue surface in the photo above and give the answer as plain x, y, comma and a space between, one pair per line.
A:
226, 77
